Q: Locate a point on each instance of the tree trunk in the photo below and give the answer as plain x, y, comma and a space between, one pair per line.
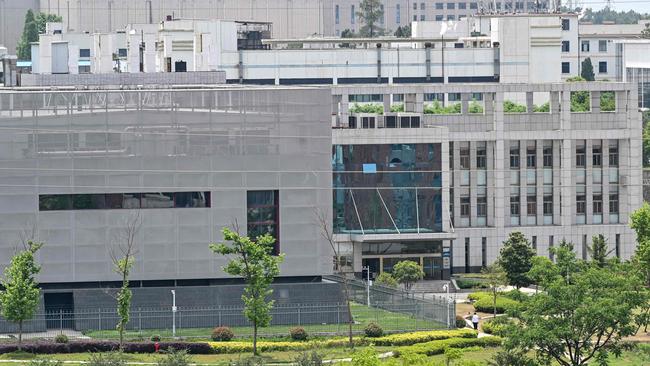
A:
121, 335
20, 334
255, 338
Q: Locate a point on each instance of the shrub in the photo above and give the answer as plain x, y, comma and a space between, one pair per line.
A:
155, 338
438, 347
512, 107
497, 326
44, 362
437, 108
503, 305
406, 339
399, 107
61, 338
373, 330
460, 322
386, 279
249, 361
312, 358
469, 283
107, 359
222, 334
367, 108
298, 334
515, 295
175, 358
365, 357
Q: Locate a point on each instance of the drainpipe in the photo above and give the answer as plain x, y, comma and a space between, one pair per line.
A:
427, 49
378, 63
240, 67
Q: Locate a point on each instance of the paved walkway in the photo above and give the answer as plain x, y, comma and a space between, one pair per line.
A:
48, 334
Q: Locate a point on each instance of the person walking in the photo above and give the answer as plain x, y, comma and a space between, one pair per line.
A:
475, 319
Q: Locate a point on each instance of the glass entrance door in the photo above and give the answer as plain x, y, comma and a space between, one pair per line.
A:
432, 267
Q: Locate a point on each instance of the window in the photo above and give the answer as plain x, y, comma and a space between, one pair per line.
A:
613, 155
462, 6
602, 45
337, 18
451, 5
121, 52
398, 14
565, 24
422, 6
566, 68
566, 46
464, 206
464, 158
548, 157
84, 69
584, 46
415, 6
451, 17
613, 203
548, 204
531, 157
467, 255
598, 204
422, 17
514, 205
439, 18
483, 251
481, 206
602, 67
473, 5
101, 201
481, 157
440, 6
531, 205
415, 18
597, 155
381, 20
534, 242
84, 52
581, 204
514, 156
580, 156
263, 215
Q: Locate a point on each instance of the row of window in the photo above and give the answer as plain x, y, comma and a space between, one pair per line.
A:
585, 46
103, 201
450, 6
602, 67
398, 12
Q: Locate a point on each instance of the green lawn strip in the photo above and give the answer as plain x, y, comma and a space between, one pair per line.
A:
389, 321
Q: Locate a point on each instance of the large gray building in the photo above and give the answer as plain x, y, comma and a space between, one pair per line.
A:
77, 166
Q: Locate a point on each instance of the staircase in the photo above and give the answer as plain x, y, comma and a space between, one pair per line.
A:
432, 287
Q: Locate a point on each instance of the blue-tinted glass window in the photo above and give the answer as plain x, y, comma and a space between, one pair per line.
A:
263, 215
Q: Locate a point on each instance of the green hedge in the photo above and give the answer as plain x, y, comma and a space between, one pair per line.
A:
407, 339
438, 347
496, 326
503, 305
468, 283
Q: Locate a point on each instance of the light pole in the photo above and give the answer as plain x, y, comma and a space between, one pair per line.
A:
367, 270
446, 288
174, 313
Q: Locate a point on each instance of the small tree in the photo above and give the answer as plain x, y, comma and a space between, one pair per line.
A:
408, 273
253, 260
20, 297
370, 13
386, 279
403, 31
30, 34
542, 271
640, 223
645, 33
516, 259
495, 278
598, 250
587, 70
123, 256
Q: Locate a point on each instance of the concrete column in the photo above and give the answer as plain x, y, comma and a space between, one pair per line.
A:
567, 182
464, 103
595, 101
472, 183
605, 179
492, 162
344, 109
589, 182
539, 179
446, 180
387, 102
565, 113
488, 106
457, 179
529, 102
419, 103
555, 102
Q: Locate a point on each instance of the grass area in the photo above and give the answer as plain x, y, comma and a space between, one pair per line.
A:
389, 321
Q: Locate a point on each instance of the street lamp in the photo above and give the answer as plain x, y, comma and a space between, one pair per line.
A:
446, 288
174, 313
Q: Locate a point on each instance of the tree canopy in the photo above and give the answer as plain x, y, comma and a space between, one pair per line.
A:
407, 273
370, 14
35, 24
610, 15
516, 259
587, 70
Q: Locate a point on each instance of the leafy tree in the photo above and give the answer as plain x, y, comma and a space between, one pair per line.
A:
20, 297
123, 257
408, 273
579, 320
645, 33
34, 25
516, 259
542, 271
403, 32
253, 260
587, 70
580, 100
370, 13
512, 357
386, 279
646, 139
452, 354
565, 259
598, 250
495, 278
608, 14
640, 223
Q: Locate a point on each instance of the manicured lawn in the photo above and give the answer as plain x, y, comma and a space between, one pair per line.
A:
389, 321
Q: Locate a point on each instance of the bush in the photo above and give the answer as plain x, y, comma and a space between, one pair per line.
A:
438, 347
460, 322
298, 334
386, 279
44, 362
515, 295
61, 338
437, 108
312, 358
175, 358
107, 359
222, 334
399, 107
475, 296
512, 107
497, 326
105, 346
155, 338
503, 305
249, 361
406, 339
373, 330
367, 108
365, 357
468, 283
